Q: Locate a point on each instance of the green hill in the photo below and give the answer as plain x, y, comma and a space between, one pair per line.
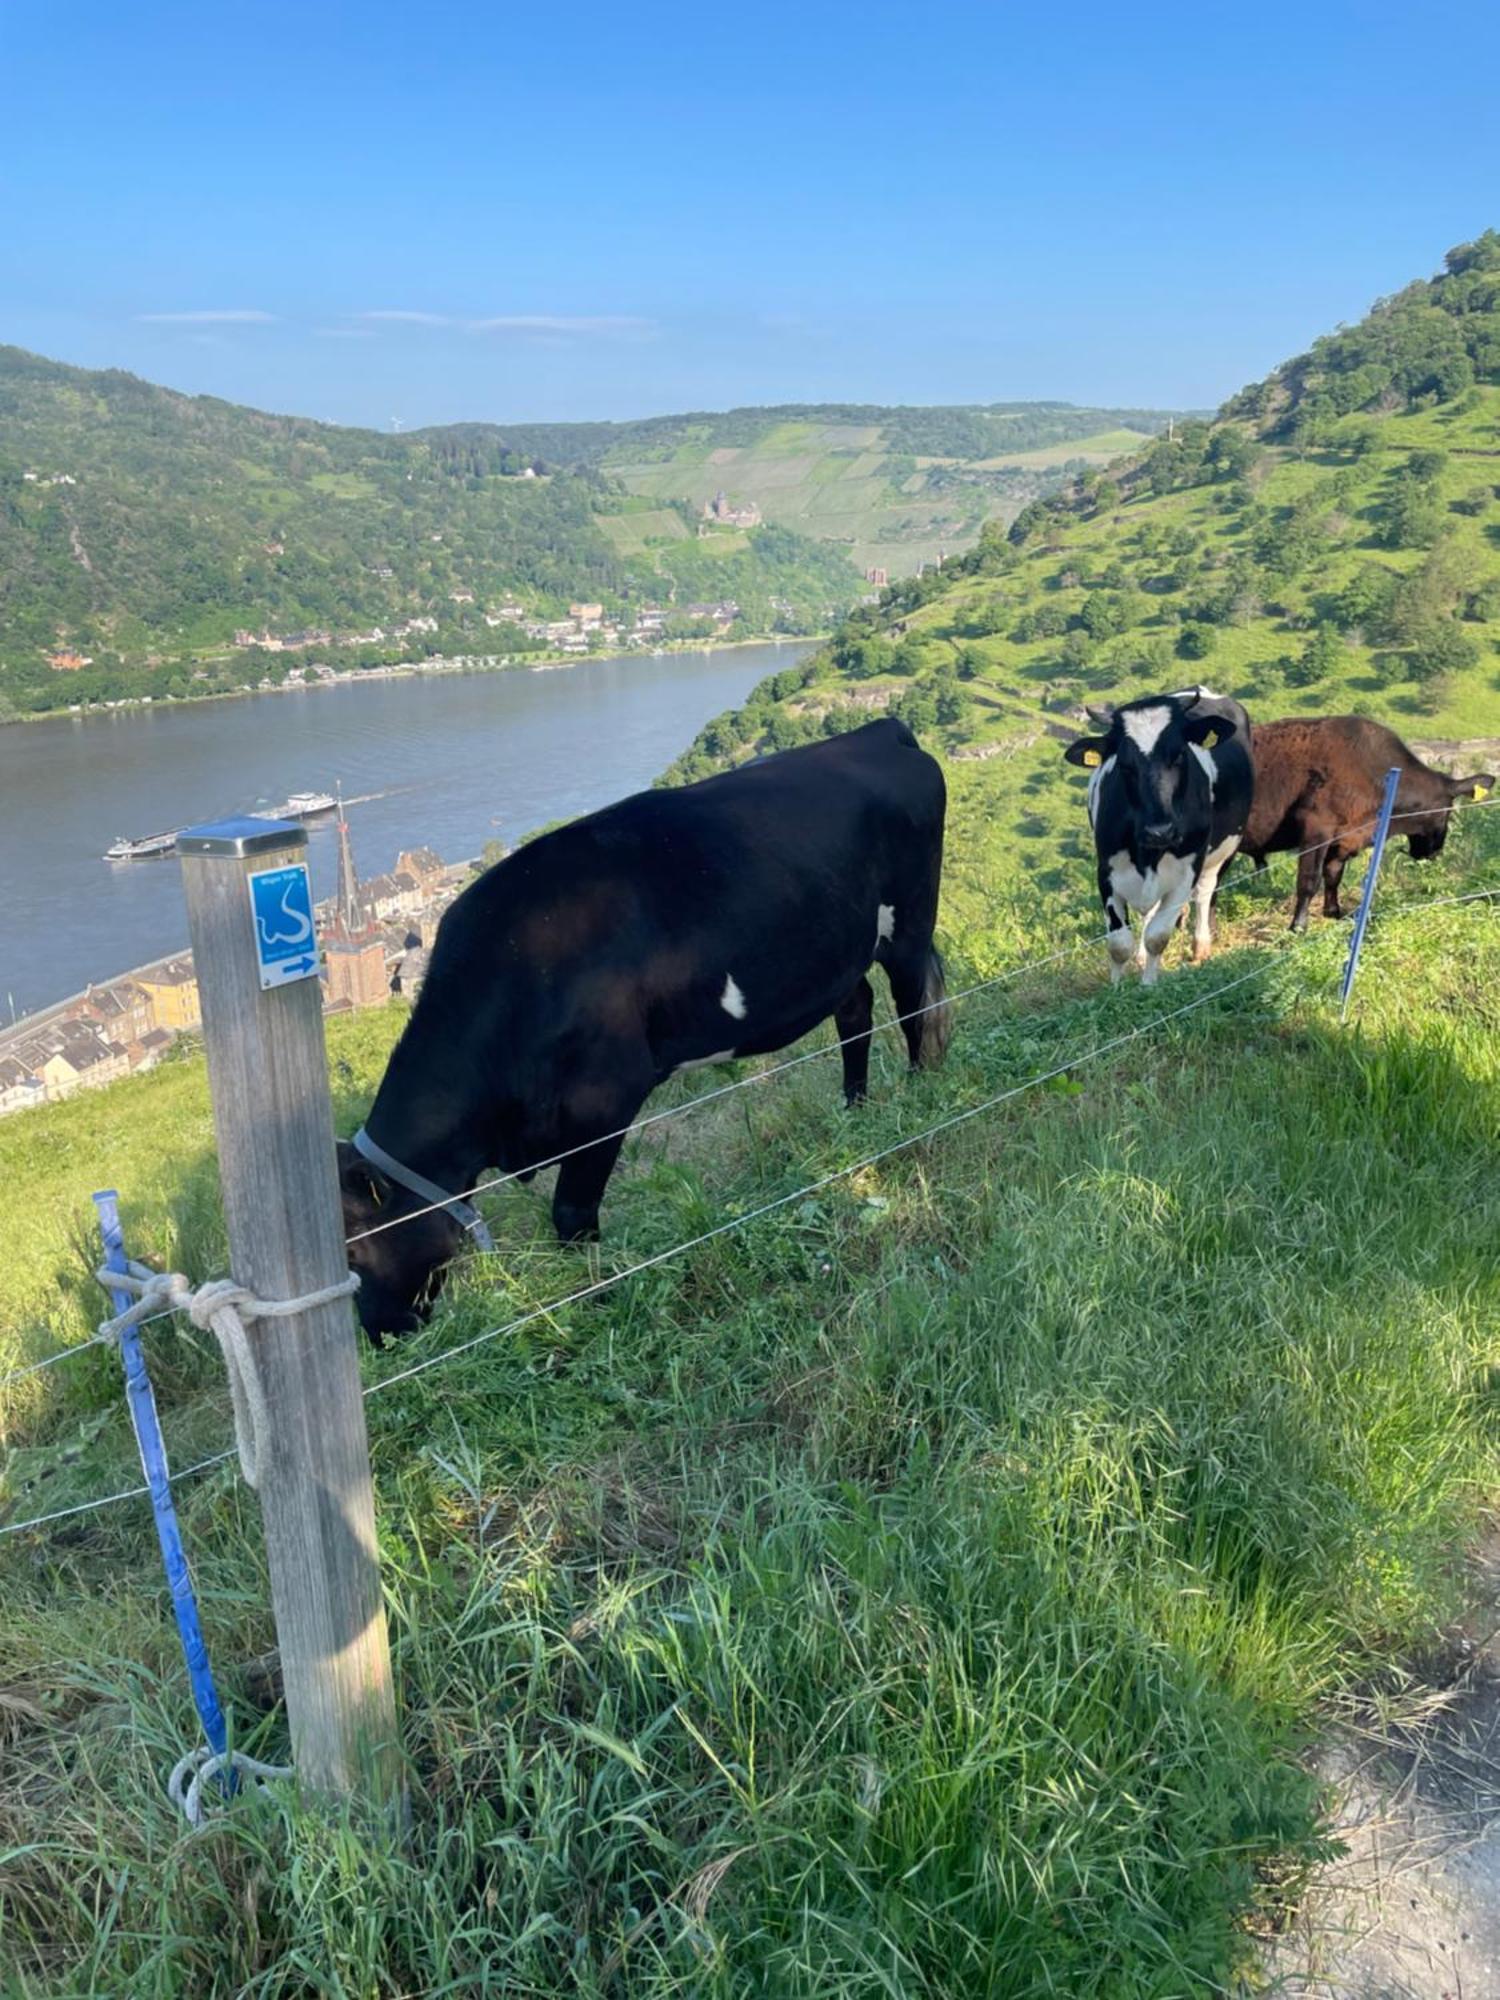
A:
143, 529
1330, 542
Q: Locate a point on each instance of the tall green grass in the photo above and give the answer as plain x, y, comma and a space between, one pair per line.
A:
923, 1591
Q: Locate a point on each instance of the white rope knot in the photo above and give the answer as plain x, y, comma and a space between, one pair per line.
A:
220, 1307
192, 1774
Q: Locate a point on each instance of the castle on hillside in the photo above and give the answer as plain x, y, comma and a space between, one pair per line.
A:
719, 513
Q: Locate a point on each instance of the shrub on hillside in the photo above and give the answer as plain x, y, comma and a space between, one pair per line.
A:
1443, 650
1412, 517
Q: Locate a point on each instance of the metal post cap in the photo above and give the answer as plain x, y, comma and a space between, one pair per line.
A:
241, 836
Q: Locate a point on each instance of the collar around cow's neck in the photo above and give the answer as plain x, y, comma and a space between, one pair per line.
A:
463, 1212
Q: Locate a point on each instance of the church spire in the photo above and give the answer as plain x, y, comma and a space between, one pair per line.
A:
348, 917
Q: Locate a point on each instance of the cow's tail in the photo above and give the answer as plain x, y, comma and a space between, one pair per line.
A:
937, 1016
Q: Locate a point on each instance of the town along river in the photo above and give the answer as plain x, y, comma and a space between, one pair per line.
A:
448, 761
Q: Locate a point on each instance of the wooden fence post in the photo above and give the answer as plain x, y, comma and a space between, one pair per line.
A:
256, 960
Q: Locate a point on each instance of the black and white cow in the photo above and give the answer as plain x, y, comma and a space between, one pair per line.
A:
1169, 797
676, 928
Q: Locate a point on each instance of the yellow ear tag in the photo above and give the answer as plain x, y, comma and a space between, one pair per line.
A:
1480, 792
1091, 758
1211, 739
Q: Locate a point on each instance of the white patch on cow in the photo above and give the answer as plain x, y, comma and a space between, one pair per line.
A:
1158, 894
885, 922
1094, 783
1121, 942
704, 1062
1169, 879
1203, 894
1144, 725
731, 999
1210, 768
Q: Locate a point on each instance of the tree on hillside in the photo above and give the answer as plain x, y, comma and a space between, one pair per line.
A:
1367, 601
1103, 614
1233, 454
1320, 660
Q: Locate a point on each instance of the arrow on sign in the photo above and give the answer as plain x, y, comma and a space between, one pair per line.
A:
302, 965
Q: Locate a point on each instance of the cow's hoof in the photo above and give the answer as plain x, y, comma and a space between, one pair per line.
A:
1201, 953
576, 1228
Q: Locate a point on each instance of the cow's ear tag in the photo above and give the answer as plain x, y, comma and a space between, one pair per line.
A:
1091, 758
1480, 792
1211, 739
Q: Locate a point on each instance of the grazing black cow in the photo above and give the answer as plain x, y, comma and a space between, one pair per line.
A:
1319, 783
676, 928
1168, 802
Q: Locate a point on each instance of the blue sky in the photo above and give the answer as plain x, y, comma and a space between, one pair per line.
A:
437, 211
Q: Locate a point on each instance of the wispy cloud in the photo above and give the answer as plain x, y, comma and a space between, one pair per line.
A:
607, 326
409, 318
217, 316
541, 326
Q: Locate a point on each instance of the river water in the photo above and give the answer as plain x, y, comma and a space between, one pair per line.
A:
449, 761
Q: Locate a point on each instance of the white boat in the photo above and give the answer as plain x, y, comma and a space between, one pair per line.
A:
140, 850
306, 805
301, 805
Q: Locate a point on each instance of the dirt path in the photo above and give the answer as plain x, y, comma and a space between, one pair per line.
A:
1411, 1910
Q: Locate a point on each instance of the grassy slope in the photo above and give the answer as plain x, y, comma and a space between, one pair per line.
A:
918, 1592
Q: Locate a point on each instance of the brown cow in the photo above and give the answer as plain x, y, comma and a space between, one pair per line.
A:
1318, 788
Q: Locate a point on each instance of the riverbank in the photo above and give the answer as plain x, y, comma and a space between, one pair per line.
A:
458, 663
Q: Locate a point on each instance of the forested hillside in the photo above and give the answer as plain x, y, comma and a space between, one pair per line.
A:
1331, 542
141, 529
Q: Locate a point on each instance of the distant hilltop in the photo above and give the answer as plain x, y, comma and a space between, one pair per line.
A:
151, 542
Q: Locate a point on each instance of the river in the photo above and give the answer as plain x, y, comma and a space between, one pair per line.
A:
446, 760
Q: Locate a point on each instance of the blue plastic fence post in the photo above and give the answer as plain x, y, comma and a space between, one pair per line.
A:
1356, 943
148, 1437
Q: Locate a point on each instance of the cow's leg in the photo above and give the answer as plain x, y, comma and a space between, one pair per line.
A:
1176, 877
853, 1020
1205, 892
580, 1187
918, 994
1309, 868
1333, 874
1119, 936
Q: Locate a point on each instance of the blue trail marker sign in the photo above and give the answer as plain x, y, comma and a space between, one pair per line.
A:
286, 941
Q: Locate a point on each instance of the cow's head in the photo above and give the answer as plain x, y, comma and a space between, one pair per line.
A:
399, 1245
1158, 752
1426, 831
